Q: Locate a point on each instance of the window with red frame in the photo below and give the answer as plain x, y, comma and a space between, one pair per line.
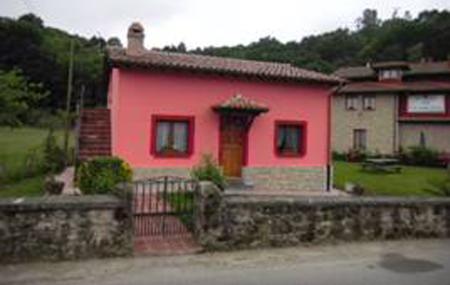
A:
172, 136
290, 138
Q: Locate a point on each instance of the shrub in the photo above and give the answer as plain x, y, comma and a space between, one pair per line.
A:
54, 157
339, 156
34, 163
209, 170
420, 155
101, 174
355, 155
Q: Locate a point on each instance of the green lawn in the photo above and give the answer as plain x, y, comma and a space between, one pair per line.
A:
412, 181
26, 187
15, 147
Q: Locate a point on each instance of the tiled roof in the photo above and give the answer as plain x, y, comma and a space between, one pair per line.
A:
239, 102
355, 72
390, 64
393, 87
440, 67
418, 68
151, 59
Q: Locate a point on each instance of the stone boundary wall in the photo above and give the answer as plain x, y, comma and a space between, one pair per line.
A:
64, 227
227, 222
286, 178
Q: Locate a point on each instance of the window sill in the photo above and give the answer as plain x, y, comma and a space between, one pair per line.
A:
290, 155
163, 155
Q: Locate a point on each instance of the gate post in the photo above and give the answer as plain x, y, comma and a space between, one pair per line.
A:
208, 206
125, 192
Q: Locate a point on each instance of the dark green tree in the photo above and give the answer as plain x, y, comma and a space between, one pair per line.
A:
17, 96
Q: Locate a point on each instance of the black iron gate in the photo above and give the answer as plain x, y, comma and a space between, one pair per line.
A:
163, 206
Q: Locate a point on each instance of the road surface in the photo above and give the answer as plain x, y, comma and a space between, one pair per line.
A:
395, 262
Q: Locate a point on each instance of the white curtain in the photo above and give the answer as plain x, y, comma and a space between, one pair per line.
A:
180, 136
163, 131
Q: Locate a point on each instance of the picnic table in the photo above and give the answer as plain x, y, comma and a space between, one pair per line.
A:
382, 164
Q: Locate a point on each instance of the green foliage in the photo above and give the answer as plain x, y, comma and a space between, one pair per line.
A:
209, 170
102, 174
17, 96
33, 165
54, 157
420, 155
42, 53
44, 119
339, 156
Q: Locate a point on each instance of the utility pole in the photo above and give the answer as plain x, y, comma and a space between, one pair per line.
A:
68, 100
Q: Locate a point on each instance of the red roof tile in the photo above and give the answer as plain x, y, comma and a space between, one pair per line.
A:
239, 102
151, 59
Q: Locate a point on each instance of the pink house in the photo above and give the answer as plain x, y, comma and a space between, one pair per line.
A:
265, 123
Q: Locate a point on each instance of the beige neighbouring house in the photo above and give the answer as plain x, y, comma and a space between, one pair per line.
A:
391, 105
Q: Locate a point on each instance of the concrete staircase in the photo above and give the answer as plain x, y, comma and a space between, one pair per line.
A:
94, 133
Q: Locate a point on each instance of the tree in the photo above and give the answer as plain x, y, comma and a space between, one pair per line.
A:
114, 42
369, 20
17, 95
32, 19
181, 47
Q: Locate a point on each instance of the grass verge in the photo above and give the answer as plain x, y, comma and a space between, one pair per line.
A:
412, 181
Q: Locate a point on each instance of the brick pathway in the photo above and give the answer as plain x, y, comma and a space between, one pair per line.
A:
160, 234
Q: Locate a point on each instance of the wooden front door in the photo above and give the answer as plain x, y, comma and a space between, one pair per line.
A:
233, 135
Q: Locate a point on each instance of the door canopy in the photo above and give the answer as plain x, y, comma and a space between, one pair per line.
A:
240, 108
240, 104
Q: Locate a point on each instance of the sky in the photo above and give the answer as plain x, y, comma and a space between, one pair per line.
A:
200, 23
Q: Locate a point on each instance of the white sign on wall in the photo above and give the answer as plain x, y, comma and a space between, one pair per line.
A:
426, 104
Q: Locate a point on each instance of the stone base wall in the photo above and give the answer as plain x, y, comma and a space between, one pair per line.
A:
240, 222
286, 178
143, 173
63, 227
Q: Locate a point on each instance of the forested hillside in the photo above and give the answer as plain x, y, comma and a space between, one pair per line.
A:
398, 38
42, 53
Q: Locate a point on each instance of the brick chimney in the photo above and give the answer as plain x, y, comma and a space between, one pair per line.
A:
135, 39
